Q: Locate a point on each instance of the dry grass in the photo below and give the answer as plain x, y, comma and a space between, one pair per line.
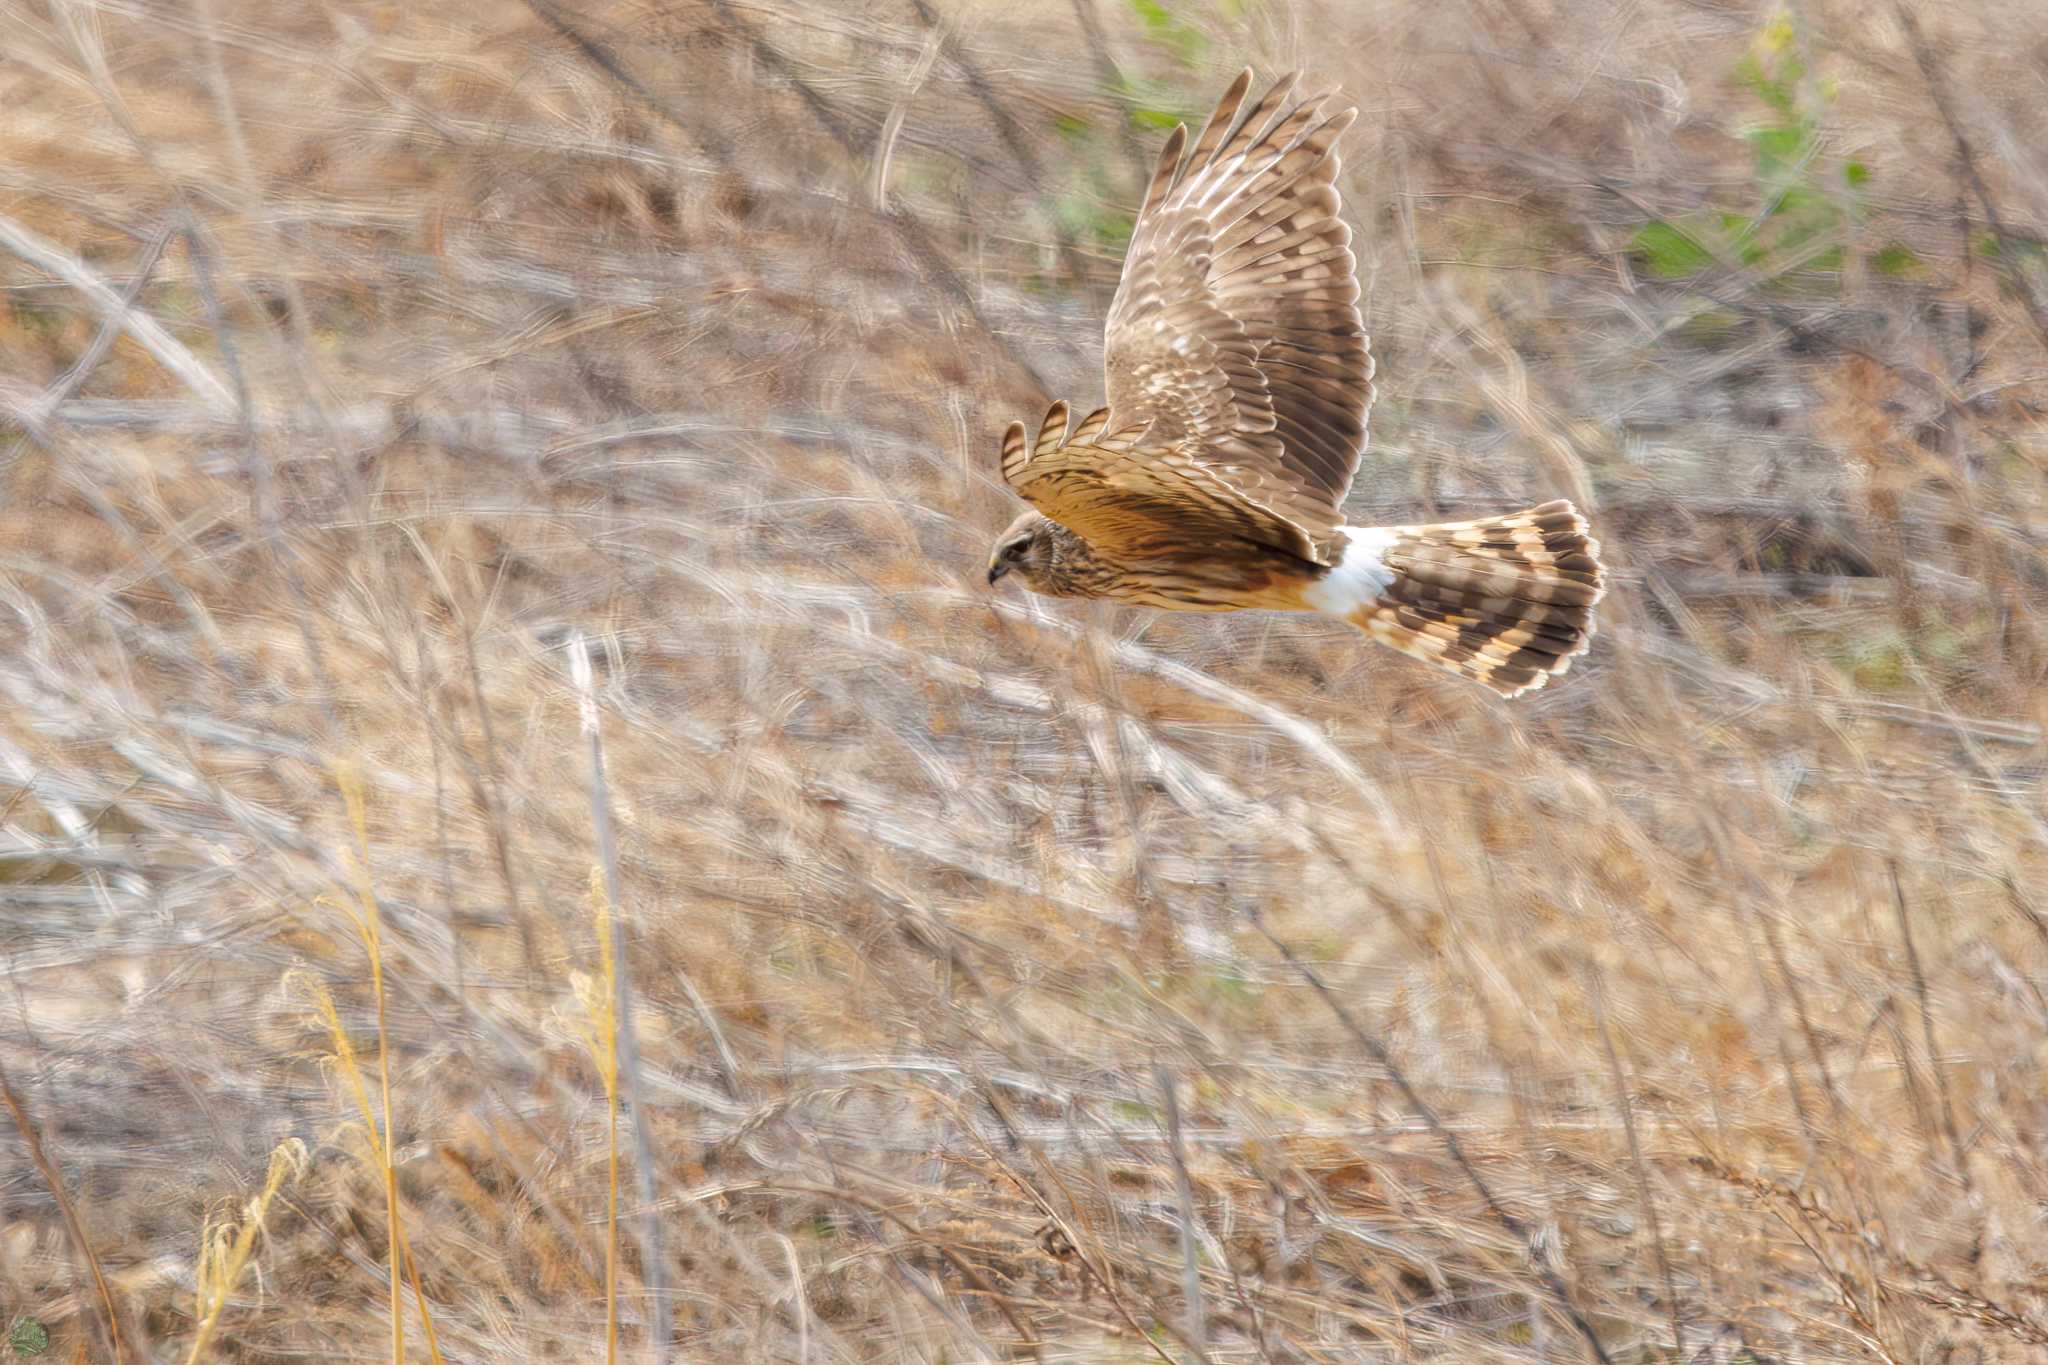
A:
1001, 978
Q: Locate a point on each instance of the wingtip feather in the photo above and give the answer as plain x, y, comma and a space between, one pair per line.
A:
1052, 433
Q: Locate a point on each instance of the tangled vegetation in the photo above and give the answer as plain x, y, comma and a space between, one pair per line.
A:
524, 837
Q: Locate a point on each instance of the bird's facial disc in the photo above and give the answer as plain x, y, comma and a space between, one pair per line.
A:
1015, 548
1009, 554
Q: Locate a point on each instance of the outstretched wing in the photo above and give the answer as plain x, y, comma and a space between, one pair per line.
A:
1236, 323
1133, 502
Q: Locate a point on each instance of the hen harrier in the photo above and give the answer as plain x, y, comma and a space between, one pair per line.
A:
1239, 380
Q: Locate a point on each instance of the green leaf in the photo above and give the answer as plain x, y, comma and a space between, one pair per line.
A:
1801, 214
1765, 86
1781, 148
1942, 643
1161, 120
1857, 174
1896, 260
1071, 127
1184, 41
28, 1337
1087, 217
1670, 251
1112, 229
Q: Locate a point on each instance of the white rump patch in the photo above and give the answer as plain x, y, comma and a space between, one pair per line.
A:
1359, 576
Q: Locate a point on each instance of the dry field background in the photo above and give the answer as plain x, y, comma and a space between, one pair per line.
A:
1003, 978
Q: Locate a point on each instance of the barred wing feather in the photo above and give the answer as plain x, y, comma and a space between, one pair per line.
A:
1235, 331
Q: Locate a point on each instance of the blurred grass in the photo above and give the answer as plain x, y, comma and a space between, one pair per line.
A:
1700, 1000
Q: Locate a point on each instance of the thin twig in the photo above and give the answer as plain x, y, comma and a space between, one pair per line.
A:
1626, 1103
653, 1270
600, 800
1948, 1110
967, 1269
911, 233
1191, 1262
909, 230
704, 134
50, 399
1007, 128
148, 333
35, 417
109, 1318
1113, 79
803, 1302
1377, 1050
262, 483
486, 782
1944, 103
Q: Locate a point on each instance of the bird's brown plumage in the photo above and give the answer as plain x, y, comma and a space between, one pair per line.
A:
1239, 380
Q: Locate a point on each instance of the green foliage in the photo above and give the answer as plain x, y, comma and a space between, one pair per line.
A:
1671, 251
1088, 214
1092, 207
1228, 991
1181, 40
43, 320
1877, 662
1885, 661
1895, 259
2016, 251
1805, 208
28, 1337
1156, 108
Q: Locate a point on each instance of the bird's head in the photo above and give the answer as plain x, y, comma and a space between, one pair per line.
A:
1025, 549
1049, 558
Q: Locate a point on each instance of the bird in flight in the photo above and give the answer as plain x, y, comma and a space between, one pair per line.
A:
1238, 379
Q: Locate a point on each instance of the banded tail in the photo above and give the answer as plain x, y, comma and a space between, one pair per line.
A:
1507, 601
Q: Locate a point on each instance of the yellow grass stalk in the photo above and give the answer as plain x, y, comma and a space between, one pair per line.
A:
344, 1060
600, 1005
368, 924
225, 1247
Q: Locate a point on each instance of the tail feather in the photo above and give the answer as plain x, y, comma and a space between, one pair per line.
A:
1507, 601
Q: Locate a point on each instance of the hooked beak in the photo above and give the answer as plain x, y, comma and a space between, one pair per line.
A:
996, 570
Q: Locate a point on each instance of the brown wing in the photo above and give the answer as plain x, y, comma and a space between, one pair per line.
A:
1135, 503
1236, 323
